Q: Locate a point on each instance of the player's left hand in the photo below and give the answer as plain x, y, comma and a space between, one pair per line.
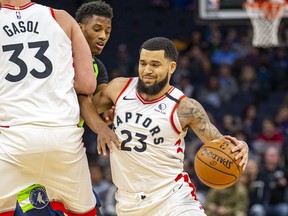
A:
242, 150
108, 116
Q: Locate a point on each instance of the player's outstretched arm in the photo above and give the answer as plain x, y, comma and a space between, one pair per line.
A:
105, 100
192, 114
89, 113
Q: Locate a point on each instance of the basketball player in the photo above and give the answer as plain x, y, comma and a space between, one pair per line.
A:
45, 62
95, 20
152, 118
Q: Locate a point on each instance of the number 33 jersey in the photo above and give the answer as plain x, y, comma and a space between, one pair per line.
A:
152, 148
36, 69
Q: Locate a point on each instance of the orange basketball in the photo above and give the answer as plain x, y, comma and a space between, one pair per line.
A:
215, 164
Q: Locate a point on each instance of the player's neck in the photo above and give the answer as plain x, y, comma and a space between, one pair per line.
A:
15, 2
156, 96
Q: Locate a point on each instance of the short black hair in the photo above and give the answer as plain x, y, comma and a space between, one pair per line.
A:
161, 43
98, 8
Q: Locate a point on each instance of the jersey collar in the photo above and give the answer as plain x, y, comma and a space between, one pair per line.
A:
11, 7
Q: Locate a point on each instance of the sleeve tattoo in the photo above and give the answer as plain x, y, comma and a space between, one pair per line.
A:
192, 114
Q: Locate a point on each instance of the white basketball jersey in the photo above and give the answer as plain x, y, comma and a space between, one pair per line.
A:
152, 149
36, 71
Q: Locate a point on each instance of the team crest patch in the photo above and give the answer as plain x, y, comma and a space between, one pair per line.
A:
161, 108
38, 198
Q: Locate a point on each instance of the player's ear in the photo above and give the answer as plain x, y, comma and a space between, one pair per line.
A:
81, 25
172, 67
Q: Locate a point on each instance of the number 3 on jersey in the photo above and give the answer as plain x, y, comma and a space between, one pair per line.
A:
17, 49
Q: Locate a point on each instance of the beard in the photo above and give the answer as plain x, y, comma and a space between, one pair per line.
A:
153, 89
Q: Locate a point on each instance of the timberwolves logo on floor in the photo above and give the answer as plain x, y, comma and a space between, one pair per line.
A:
38, 198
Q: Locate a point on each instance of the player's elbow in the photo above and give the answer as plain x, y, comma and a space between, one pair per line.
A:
87, 88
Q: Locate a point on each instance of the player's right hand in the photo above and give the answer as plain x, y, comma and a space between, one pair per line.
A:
106, 138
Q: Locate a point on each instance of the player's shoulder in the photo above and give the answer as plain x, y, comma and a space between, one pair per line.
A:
119, 82
61, 13
189, 107
63, 17
189, 103
114, 87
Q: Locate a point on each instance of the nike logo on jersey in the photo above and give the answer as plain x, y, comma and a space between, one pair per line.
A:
126, 98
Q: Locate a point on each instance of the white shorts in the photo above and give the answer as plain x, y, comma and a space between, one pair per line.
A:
178, 199
53, 157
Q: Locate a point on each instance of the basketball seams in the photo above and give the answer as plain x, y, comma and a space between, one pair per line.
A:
217, 169
238, 167
219, 186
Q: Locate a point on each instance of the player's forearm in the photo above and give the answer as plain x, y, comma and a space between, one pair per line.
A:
89, 113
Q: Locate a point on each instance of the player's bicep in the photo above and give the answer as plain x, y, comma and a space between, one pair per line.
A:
84, 79
192, 115
107, 97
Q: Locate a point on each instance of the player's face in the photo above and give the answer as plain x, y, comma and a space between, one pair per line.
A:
154, 72
97, 31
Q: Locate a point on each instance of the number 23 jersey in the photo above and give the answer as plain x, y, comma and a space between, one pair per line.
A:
152, 148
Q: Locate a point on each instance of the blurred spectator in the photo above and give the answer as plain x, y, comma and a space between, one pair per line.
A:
232, 36
200, 65
196, 39
250, 174
110, 202
269, 136
252, 58
264, 72
224, 55
228, 83
213, 36
231, 201
230, 124
253, 168
279, 64
185, 86
182, 70
282, 122
250, 121
243, 47
240, 134
124, 61
249, 84
269, 195
210, 93
100, 184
